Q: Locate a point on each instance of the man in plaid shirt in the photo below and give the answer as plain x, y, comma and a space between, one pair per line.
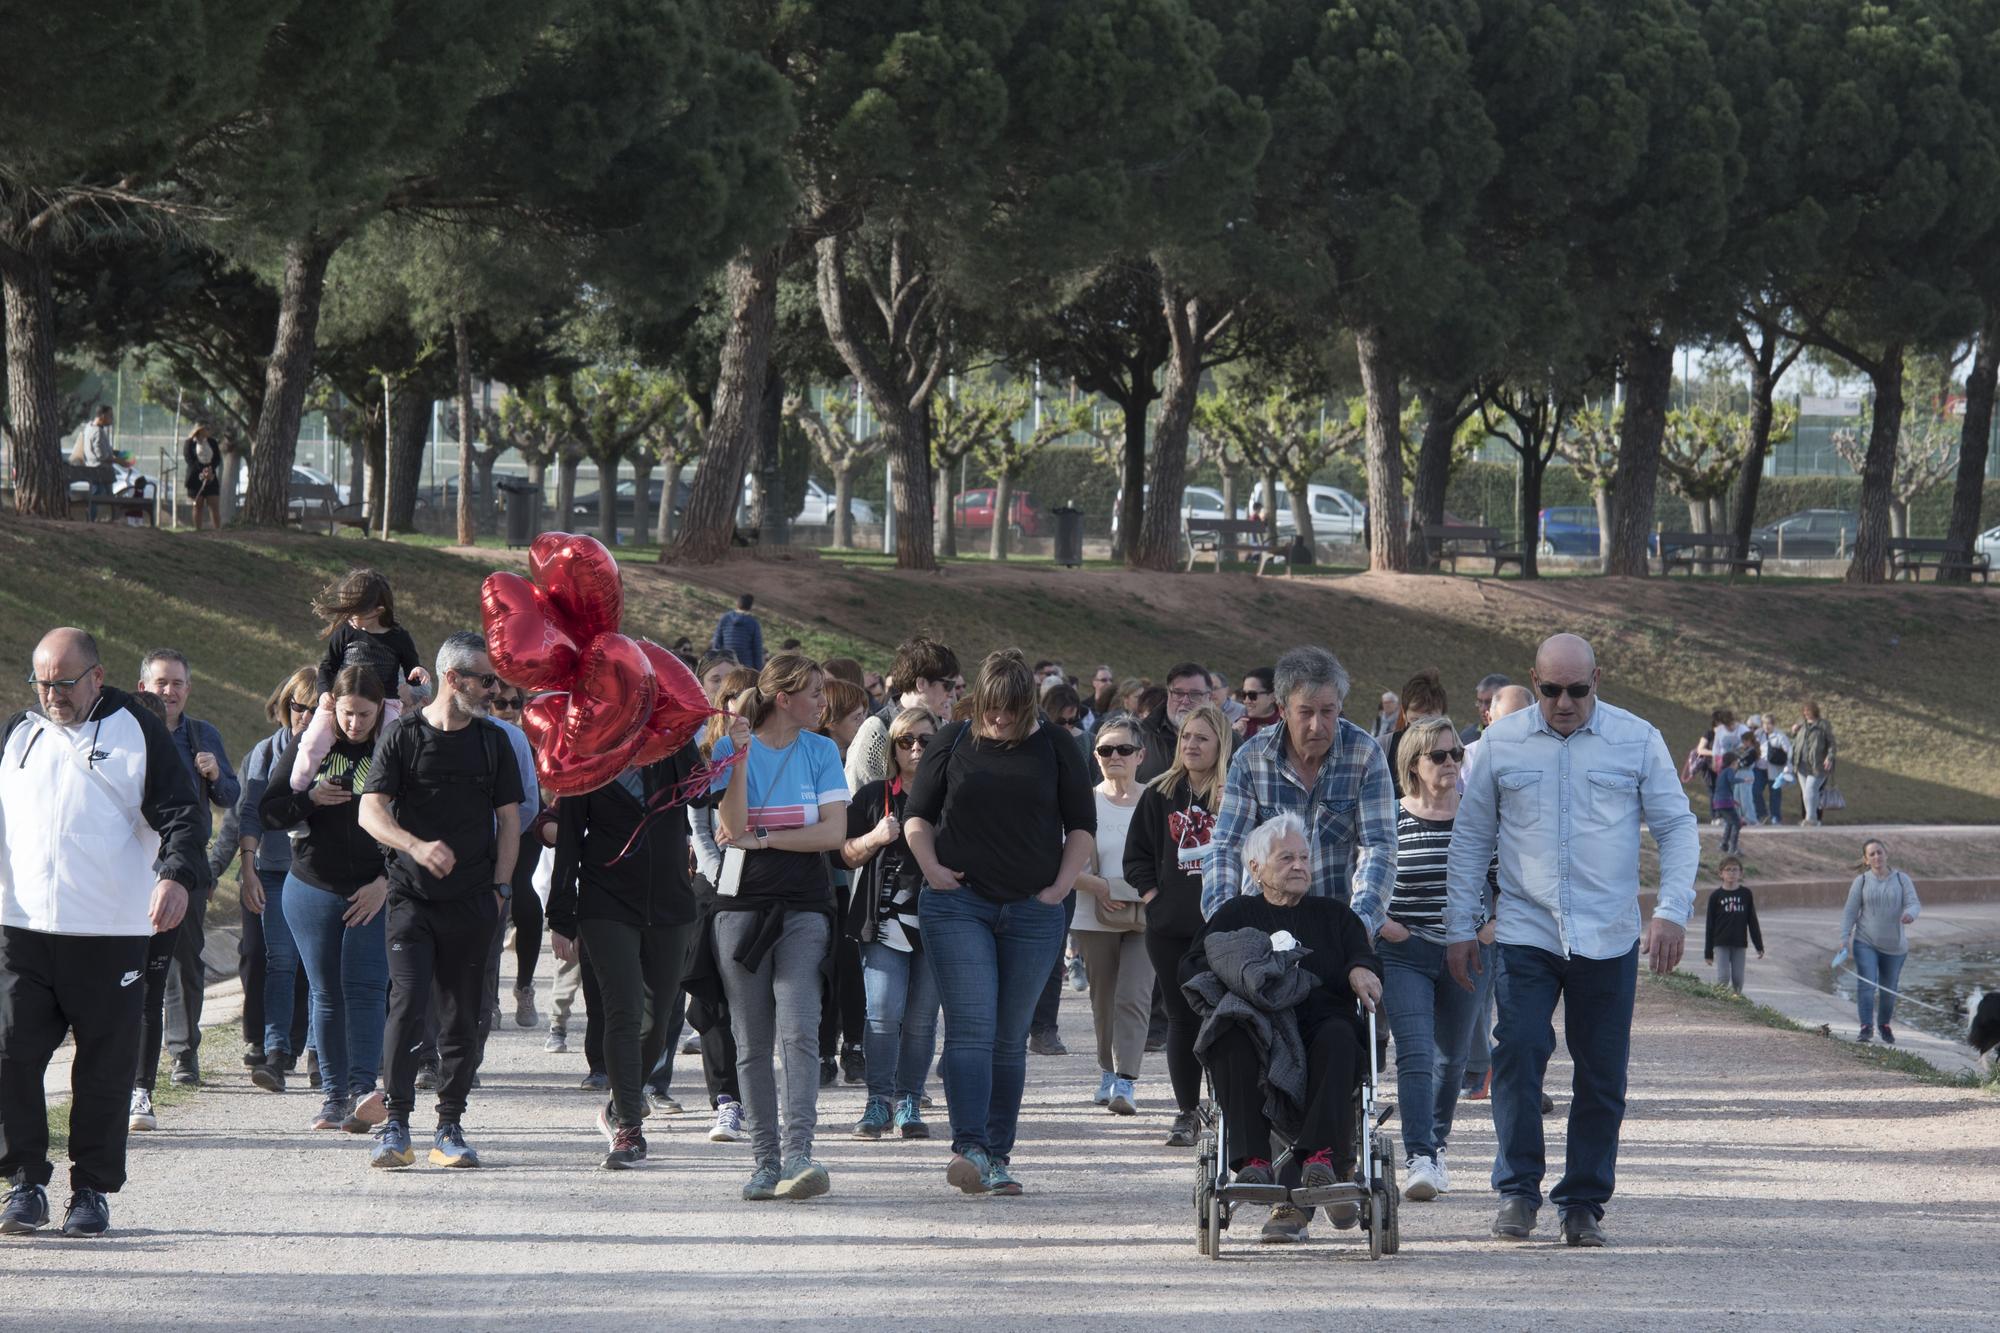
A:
1324, 769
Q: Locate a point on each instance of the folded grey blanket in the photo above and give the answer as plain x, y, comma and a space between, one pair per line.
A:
1249, 984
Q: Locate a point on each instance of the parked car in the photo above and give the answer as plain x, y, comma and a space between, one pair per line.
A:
1336, 515
301, 476
1988, 544
1199, 504
586, 510
1810, 534
1570, 530
974, 510
816, 510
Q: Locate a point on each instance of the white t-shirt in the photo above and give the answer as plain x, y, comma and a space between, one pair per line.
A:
1114, 821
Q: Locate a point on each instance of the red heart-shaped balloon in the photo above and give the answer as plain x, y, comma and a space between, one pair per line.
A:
528, 647
612, 698
542, 719
566, 773
679, 707
582, 582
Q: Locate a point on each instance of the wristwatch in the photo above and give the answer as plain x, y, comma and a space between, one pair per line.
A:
503, 888
763, 836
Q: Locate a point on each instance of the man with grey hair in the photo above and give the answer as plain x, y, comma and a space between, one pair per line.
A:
443, 798
1483, 692
1321, 767
1559, 793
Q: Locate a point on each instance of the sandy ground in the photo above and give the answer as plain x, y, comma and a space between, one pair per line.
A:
1767, 1181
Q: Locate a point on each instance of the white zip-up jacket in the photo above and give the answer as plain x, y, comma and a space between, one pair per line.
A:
90, 817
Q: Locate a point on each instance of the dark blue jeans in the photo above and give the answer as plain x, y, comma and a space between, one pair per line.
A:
348, 968
991, 961
281, 966
1431, 1018
902, 1020
1597, 1024
1874, 970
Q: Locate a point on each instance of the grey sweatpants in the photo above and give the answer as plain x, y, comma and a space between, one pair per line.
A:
776, 1010
1729, 966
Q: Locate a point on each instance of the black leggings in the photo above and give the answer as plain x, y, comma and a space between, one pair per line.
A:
1183, 1068
527, 911
1332, 1053
843, 1001
633, 963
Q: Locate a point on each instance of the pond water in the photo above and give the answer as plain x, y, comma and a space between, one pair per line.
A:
1943, 976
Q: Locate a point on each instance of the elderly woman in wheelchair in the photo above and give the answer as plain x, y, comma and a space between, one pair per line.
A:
1276, 977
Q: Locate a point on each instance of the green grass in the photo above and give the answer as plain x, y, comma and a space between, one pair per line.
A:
218, 1049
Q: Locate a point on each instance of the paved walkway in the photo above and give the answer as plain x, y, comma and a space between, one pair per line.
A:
1767, 1181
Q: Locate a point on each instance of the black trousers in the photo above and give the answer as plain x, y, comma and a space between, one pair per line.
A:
1048, 1007
843, 1001
1332, 1052
634, 964
159, 962
1166, 952
187, 980
442, 945
250, 971
527, 915
593, 1012
51, 986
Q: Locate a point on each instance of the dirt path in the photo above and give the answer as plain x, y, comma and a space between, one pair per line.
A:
1766, 1181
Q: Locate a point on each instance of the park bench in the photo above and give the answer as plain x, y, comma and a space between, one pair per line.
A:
121, 506
1685, 550
1913, 555
317, 502
1457, 541
1231, 536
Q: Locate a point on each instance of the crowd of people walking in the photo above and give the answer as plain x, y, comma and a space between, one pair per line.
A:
889, 856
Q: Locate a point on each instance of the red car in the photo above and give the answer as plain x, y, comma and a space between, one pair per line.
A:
975, 513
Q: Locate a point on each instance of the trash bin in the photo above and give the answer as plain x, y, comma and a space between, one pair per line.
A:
524, 510
1069, 535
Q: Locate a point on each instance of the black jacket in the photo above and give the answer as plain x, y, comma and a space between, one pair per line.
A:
649, 886
334, 853
1162, 825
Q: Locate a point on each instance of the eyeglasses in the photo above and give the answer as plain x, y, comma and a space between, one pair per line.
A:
1187, 696
1456, 754
1551, 690
912, 742
1122, 751
58, 686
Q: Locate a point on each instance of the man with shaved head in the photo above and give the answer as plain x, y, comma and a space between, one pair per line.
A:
1559, 792
100, 838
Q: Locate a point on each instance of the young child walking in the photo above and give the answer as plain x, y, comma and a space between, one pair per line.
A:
359, 610
1732, 926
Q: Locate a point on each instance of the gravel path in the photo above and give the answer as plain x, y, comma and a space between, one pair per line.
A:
1767, 1181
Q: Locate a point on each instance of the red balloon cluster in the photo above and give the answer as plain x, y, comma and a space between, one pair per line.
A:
617, 702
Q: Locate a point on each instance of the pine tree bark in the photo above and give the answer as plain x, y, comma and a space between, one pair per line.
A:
1388, 533
287, 378
843, 508
1132, 487
461, 341
1433, 476
1975, 439
1750, 479
410, 423
34, 426
1159, 541
1878, 470
642, 485
1649, 380
709, 522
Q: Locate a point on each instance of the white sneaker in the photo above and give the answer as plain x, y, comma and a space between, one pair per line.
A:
728, 1127
1443, 1176
142, 1111
1420, 1179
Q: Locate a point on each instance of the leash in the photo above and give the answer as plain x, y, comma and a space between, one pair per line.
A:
1906, 999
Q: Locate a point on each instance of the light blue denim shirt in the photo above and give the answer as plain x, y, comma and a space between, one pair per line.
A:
1564, 816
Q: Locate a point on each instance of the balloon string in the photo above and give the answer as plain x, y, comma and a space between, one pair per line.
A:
670, 798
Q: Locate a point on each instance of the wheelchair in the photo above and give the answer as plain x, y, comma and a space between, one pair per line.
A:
1374, 1191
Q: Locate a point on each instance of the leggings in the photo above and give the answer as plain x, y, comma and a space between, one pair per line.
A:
1183, 1068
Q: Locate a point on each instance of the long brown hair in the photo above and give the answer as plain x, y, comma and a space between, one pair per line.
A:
355, 593
1005, 685
360, 682
787, 673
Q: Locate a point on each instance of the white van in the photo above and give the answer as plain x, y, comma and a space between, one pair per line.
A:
1336, 515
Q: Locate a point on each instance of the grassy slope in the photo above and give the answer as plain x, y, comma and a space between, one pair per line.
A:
1905, 673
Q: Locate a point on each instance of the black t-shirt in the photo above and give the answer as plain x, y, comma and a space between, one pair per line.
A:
333, 853
1002, 811
444, 786
391, 655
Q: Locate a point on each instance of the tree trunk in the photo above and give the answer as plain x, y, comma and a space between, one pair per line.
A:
1300, 492
907, 435
566, 491
1750, 478
461, 338
1433, 478
947, 514
710, 520
642, 483
232, 469
1270, 496
287, 378
607, 502
1132, 488
375, 467
1388, 534
1899, 517
34, 426
488, 514
1975, 439
1528, 492
774, 519
663, 521
1607, 517
1003, 500
843, 507
1649, 380
410, 423
1159, 544
1878, 471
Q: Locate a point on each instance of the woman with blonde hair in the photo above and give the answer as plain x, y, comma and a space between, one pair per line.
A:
1109, 928
1001, 822
1164, 856
783, 809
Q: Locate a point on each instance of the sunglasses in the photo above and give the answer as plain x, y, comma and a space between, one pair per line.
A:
1122, 751
1551, 690
912, 742
509, 703
1456, 754
1253, 694
487, 680
294, 706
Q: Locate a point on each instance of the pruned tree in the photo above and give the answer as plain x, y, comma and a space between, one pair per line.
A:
1530, 416
1926, 457
674, 440
543, 431
1282, 435
1005, 452
1700, 452
1760, 338
1590, 446
609, 410
831, 430
962, 421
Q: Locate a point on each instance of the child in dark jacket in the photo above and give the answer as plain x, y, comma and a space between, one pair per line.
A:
1732, 926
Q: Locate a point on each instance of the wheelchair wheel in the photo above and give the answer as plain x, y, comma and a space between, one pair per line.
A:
1392, 1233
1207, 1208
1372, 1222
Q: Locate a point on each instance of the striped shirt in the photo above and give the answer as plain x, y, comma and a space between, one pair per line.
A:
1417, 902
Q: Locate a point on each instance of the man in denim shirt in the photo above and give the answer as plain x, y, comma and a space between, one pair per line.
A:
1559, 792
1322, 768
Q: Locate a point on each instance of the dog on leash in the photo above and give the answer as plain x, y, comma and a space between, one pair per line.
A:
1985, 1031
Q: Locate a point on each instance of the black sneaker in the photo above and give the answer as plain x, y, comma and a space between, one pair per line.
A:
270, 1076
853, 1066
187, 1071
1047, 1043
89, 1214
427, 1077
595, 1083
829, 1072
26, 1210
1182, 1134
1888, 1035
628, 1149
253, 1054
1867, 1035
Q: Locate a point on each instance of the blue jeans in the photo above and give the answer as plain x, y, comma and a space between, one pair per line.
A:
1597, 995
991, 961
1431, 1018
902, 1020
1875, 969
1479, 1045
281, 969
348, 970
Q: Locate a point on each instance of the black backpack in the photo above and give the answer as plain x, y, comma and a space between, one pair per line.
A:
1779, 755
